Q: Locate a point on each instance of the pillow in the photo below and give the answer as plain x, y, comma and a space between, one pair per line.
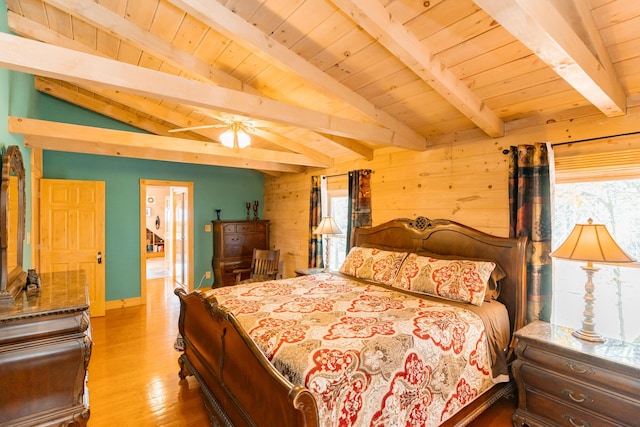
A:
456, 279
498, 273
384, 247
373, 264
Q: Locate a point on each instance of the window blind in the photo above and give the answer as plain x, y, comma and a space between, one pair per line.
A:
599, 160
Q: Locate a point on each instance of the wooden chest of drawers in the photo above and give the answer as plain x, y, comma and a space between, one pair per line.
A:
563, 381
233, 244
45, 347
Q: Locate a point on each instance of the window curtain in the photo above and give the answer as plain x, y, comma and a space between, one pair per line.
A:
530, 215
315, 216
359, 201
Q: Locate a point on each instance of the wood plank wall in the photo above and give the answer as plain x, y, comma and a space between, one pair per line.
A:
460, 177
463, 182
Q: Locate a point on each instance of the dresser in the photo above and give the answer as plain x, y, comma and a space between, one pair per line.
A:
233, 244
45, 346
564, 381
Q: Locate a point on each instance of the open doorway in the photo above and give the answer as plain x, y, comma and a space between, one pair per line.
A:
166, 224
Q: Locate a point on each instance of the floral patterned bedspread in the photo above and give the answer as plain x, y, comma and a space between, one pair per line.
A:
370, 355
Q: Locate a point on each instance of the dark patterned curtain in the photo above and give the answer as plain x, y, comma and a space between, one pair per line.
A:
359, 201
530, 215
315, 216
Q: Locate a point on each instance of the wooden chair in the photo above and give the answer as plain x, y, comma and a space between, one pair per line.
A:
264, 266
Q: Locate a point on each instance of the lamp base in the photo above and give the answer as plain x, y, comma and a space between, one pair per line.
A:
587, 335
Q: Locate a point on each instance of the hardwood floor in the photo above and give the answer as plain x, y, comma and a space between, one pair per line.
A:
133, 372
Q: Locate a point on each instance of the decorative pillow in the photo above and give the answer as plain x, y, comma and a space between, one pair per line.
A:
373, 264
458, 280
493, 288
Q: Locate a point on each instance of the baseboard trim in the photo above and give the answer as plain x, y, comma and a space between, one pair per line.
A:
122, 303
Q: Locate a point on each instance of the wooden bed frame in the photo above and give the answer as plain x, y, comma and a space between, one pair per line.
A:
241, 388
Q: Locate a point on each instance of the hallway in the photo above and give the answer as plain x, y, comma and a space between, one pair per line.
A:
157, 268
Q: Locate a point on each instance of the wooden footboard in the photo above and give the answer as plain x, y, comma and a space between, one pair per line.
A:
240, 386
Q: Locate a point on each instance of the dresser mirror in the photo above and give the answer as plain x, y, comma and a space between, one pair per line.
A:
12, 225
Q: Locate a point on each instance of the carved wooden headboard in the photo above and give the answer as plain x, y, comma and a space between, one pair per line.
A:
451, 238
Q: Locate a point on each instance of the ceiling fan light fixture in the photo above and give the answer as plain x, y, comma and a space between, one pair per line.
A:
244, 140
226, 138
235, 136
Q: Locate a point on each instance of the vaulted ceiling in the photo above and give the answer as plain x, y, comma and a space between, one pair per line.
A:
318, 80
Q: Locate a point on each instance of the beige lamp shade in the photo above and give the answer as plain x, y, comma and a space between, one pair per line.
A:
592, 243
327, 226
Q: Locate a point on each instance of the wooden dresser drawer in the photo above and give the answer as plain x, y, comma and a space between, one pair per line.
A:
229, 228
581, 395
234, 239
578, 369
246, 227
255, 240
233, 251
45, 348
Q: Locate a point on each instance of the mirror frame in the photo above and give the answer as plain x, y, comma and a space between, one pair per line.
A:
11, 282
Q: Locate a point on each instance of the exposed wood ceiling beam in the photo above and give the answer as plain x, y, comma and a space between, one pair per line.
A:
37, 58
364, 152
80, 98
107, 20
542, 27
107, 149
112, 23
292, 145
372, 16
85, 139
158, 110
223, 20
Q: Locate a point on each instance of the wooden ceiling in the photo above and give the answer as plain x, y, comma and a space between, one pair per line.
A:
323, 79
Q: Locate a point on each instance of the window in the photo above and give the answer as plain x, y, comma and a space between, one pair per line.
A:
617, 289
338, 209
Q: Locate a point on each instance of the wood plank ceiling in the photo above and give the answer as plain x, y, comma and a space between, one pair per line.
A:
320, 79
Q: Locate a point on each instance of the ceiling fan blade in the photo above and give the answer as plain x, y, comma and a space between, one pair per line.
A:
234, 118
223, 117
195, 128
264, 124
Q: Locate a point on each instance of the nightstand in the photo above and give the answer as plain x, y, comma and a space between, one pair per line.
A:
563, 381
308, 271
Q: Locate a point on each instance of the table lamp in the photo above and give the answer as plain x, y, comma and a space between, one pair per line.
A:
327, 227
591, 243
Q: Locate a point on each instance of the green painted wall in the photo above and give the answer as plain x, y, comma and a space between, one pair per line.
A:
17, 99
214, 187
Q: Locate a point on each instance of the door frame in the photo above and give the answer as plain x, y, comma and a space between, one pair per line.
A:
143, 235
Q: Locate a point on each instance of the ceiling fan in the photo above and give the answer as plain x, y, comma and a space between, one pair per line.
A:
238, 128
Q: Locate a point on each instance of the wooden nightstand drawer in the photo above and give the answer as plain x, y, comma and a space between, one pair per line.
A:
578, 369
585, 396
559, 414
564, 381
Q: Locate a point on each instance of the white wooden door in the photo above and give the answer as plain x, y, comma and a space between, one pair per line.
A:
72, 230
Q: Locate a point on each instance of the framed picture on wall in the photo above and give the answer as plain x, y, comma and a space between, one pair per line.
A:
148, 211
